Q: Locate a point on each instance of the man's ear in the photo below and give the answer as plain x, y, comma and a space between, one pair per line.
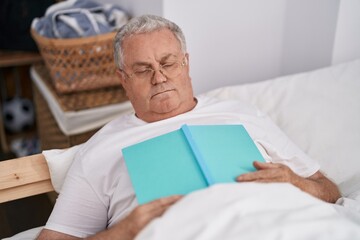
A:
187, 58
187, 62
121, 76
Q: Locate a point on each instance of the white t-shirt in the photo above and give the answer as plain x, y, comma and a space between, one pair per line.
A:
97, 191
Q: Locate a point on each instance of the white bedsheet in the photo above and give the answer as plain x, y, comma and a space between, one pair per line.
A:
253, 211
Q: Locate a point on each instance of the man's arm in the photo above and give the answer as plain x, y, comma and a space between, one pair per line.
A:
317, 184
127, 228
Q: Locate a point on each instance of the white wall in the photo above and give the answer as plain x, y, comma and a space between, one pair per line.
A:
347, 39
139, 7
239, 41
308, 35
230, 41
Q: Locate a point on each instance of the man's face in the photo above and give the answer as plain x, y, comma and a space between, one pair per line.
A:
157, 97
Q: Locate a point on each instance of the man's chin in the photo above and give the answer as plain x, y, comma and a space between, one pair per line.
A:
166, 106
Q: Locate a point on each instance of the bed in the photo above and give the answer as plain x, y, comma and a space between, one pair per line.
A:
319, 110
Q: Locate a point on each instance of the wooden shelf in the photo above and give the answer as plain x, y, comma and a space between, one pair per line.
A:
18, 58
14, 59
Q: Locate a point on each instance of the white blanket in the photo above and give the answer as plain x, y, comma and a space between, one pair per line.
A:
253, 211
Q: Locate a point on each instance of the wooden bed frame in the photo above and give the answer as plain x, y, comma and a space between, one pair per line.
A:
24, 177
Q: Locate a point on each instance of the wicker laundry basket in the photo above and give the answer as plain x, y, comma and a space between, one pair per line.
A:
81, 100
50, 134
79, 64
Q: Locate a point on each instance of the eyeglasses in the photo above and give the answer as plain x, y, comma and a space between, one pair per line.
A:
168, 69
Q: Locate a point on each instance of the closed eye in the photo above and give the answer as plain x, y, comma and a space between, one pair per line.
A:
168, 65
143, 70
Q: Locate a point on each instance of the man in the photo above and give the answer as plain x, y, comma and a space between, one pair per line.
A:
97, 200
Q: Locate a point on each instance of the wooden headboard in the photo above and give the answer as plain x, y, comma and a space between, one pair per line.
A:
24, 177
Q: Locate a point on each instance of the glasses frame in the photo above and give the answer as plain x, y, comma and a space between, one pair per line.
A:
181, 63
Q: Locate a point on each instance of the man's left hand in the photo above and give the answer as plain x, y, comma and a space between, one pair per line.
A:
317, 184
269, 172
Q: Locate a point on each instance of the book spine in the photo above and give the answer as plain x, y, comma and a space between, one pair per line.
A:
198, 156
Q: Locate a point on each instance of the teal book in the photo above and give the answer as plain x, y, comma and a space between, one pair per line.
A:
188, 159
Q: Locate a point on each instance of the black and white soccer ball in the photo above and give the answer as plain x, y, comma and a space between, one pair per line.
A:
18, 114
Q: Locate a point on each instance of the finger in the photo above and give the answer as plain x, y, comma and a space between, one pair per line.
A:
251, 175
162, 204
276, 173
264, 165
165, 201
248, 177
159, 205
267, 173
154, 209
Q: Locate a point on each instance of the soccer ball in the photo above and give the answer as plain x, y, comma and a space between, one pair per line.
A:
18, 114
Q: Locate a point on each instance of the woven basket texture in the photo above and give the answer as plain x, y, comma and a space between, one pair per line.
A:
82, 100
51, 136
79, 64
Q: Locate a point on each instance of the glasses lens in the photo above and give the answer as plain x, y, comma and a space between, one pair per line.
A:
171, 70
143, 74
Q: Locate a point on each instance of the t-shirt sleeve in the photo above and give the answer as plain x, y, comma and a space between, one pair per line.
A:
277, 147
78, 210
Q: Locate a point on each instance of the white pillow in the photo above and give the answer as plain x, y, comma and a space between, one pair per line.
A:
59, 162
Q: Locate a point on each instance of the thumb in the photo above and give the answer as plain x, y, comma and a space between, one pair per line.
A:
262, 165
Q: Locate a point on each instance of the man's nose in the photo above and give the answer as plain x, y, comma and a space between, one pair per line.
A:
159, 77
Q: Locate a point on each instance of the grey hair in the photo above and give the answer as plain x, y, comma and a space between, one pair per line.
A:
144, 24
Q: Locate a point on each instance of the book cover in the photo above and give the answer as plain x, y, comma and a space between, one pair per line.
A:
190, 158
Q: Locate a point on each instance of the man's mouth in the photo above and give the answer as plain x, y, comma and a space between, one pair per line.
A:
159, 93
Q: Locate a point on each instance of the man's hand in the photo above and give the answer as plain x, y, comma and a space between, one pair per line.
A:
143, 214
130, 226
317, 184
270, 172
